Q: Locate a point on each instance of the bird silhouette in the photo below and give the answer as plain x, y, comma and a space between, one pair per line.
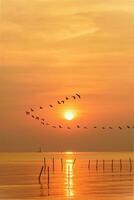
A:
78, 95
32, 109
103, 127
68, 127
74, 97
58, 102
33, 116
95, 126
67, 98
50, 105
42, 119
37, 118
110, 127
85, 127
47, 124
53, 126
120, 127
41, 107
27, 113
78, 126
128, 126
62, 101
60, 126
42, 123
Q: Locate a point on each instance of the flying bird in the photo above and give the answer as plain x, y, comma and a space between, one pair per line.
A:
78, 126
120, 127
103, 127
47, 124
33, 116
51, 105
95, 126
110, 127
41, 107
62, 101
128, 126
53, 126
27, 113
60, 126
42, 123
58, 102
32, 110
68, 127
74, 97
67, 98
78, 95
85, 127
37, 118
43, 119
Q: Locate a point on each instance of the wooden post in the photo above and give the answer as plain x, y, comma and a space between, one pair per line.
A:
96, 164
53, 164
112, 165
103, 165
61, 164
89, 164
44, 165
48, 177
74, 161
39, 178
120, 165
130, 164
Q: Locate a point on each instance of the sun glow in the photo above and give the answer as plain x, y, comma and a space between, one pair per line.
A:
69, 115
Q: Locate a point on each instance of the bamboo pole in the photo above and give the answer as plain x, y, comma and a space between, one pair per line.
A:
48, 177
53, 165
89, 164
61, 164
39, 178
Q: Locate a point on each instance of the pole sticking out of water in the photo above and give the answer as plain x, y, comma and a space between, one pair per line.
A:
48, 177
74, 162
53, 165
112, 165
130, 164
44, 165
39, 178
96, 164
120, 165
89, 164
61, 164
103, 165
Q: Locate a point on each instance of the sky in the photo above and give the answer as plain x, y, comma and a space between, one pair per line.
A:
51, 49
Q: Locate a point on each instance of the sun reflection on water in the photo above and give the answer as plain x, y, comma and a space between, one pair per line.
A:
69, 178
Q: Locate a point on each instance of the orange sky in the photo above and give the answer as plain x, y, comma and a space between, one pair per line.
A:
54, 48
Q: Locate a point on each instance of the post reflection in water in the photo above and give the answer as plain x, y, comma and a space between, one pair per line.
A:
69, 178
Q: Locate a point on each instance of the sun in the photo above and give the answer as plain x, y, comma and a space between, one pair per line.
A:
69, 115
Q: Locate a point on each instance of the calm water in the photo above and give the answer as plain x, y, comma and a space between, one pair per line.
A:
81, 180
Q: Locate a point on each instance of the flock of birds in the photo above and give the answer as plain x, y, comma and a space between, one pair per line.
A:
77, 96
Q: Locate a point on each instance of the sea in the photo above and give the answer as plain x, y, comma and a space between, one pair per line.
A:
67, 175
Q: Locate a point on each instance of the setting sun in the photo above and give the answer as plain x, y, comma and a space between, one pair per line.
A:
69, 115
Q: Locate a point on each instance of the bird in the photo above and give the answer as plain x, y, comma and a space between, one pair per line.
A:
51, 105
78, 126
67, 98
110, 127
60, 126
43, 119
53, 126
128, 126
33, 116
103, 127
62, 101
32, 110
27, 113
120, 127
85, 127
95, 126
42, 123
37, 118
78, 95
68, 127
47, 124
58, 102
74, 97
